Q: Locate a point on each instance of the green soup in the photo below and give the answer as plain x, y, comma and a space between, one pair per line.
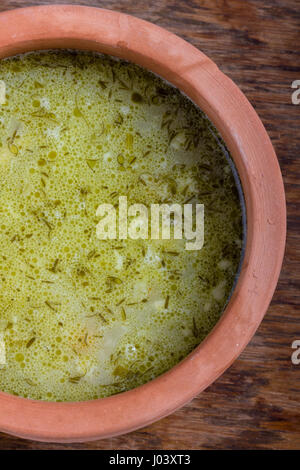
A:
80, 317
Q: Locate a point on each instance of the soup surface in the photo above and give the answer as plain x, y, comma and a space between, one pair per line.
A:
83, 318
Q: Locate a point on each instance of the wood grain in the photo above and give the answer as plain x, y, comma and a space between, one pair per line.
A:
255, 404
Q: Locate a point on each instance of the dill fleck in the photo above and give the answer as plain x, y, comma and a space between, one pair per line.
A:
53, 269
91, 163
38, 84
119, 120
12, 147
114, 280
15, 238
167, 301
142, 181
84, 191
124, 86
123, 313
189, 199
172, 186
129, 141
77, 111
109, 310
43, 114
81, 271
167, 120
120, 159
102, 84
98, 314
75, 380
184, 191
102, 317
30, 382
43, 220
195, 329
204, 167
172, 135
30, 342
92, 254
171, 253
49, 304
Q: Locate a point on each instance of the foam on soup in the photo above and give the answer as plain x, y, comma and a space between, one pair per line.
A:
83, 318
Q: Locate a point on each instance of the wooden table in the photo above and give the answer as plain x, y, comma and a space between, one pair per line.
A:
256, 403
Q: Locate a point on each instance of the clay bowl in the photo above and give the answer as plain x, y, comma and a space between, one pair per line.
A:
156, 49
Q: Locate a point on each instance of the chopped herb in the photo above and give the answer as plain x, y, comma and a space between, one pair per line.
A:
189, 199
43, 114
171, 253
76, 379
50, 305
129, 141
102, 84
114, 280
120, 159
195, 329
30, 382
91, 163
123, 313
53, 269
30, 342
119, 120
92, 254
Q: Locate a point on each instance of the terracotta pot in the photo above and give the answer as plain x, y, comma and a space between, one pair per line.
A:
196, 75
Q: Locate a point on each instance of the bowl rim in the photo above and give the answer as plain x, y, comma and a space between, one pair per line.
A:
184, 66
